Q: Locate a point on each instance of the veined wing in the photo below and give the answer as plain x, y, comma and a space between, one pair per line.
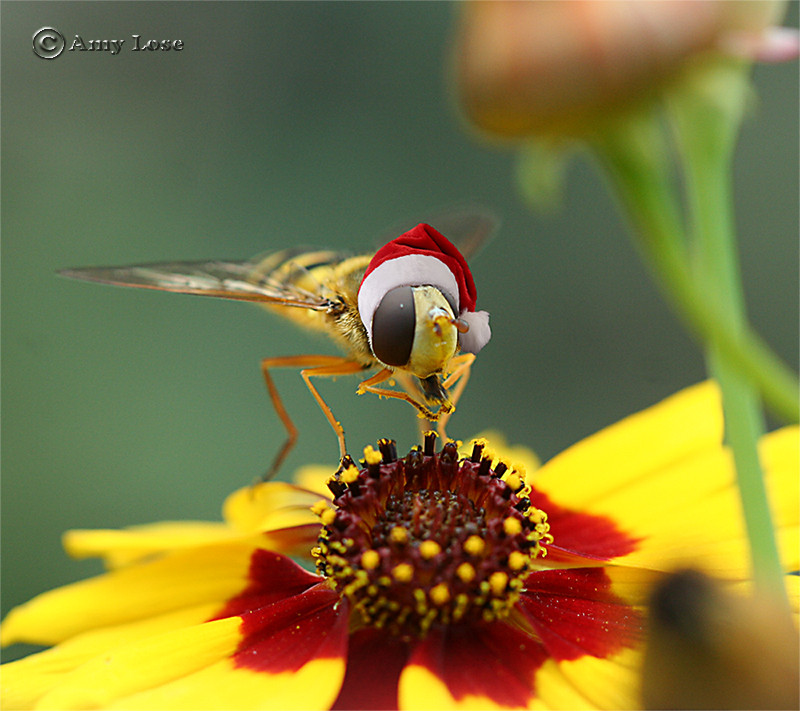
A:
468, 227
227, 280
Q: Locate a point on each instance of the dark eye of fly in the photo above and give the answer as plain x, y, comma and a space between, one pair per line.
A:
393, 326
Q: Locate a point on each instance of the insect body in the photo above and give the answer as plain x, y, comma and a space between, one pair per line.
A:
405, 312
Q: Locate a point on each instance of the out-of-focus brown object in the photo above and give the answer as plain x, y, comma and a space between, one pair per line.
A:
557, 67
707, 649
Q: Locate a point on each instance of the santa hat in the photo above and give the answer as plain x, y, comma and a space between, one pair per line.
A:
421, 257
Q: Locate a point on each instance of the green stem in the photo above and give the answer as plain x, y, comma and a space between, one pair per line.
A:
636, 159
706, 113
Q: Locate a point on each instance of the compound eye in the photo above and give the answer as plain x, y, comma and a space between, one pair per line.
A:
393, 326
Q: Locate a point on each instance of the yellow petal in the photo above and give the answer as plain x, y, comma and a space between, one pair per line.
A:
689, 514
129, 545
25, 681
420, 689
633, 585
555, 691
269, 506
314, 477
681, 425
173, 581
604, 683
222, 686
780, 457
664, 480
149, 662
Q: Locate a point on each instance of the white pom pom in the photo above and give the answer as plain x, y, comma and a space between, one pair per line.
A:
479, 332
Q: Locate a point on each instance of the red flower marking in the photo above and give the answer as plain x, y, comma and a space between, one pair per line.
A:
273, 577
494, 660
286, 635
288, 616
374, 662
575, 613
581, 534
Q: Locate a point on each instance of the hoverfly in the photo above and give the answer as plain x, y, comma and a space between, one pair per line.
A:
405, 311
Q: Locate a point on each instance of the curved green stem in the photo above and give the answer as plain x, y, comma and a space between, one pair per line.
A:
634, 155
706, 112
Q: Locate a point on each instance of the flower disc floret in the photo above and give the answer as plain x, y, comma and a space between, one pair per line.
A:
429, 538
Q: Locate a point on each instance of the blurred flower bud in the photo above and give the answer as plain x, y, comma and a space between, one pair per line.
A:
556, 67
707, 649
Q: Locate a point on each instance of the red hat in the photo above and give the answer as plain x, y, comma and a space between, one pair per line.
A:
423, 256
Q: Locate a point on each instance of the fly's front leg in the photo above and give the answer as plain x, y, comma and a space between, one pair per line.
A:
458, 375
312, 366
455, 377
368, 386
427, 419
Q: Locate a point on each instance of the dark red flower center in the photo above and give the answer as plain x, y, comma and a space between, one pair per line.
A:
429, 538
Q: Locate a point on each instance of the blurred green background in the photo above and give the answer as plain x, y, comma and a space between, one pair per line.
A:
281, 124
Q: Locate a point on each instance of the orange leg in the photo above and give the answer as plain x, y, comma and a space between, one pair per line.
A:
369, 384
312, 366
458, 375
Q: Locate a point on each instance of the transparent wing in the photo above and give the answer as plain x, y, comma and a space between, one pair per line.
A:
243, 281
468, 227
275, 278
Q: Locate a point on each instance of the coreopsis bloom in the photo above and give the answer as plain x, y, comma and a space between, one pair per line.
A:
443, 579
561, 68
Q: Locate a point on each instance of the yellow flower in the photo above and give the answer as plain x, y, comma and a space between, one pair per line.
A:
443, 580
526, 68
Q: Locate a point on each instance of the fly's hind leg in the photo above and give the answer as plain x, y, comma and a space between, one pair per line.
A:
312, 366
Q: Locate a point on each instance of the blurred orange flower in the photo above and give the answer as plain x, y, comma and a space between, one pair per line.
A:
559, 67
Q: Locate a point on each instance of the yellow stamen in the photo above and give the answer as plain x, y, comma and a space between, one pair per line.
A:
403, 572
328, 516
370, 559
514, 481
319, 507
350, 474
398, 535
517, 560
371, 456
512, 526
466, 572
498, 581
440, 594
537, 515
429, 549
474, 545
